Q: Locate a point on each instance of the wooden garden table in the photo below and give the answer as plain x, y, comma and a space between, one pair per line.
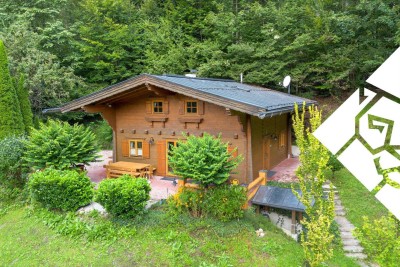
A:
116, 169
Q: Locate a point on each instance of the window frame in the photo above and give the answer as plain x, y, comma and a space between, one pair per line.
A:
186, 107
136, 141
154, 106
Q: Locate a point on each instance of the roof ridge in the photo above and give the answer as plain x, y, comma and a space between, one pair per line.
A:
197, 78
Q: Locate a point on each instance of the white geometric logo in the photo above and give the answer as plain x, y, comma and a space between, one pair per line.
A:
364, 134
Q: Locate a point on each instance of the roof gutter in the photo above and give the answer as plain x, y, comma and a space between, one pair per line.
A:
271, 113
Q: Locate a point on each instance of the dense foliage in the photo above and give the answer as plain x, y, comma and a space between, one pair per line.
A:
204, 159
223, 202
12, 169
60, 145
68, 48
125, 196
24, 104
65, 190
317, 240
381, 240
103, 133
11, 122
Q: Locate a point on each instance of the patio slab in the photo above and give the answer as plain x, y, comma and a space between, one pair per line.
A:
285, 171
160, 189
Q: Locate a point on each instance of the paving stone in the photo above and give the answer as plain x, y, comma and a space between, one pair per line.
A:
350, 242
356, 255
327, 186
340, 213
346, 235
338, 202
328, 191
355, 249
339, 208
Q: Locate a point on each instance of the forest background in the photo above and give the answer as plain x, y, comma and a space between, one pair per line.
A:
68, 48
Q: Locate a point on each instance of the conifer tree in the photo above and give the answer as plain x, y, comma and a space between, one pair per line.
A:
25, 105
11, 122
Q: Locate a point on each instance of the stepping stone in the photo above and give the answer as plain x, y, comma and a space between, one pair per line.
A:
346, 235
341, 219
354, 249
338, 202
339, 208
326, 186
346, 229
328, 191
356, 255
340, 213
350, 242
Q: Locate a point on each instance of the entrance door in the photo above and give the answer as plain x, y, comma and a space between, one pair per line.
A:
170, 145
266, 153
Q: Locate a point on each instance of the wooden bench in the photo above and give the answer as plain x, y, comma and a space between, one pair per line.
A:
114, 172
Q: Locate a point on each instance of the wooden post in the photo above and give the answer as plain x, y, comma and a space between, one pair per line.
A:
181, 183
263, 174
293, 228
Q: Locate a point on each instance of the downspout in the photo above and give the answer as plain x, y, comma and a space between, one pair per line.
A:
114, 146
249, 150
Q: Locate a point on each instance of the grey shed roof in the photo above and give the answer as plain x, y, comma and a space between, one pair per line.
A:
246, 98
276, 197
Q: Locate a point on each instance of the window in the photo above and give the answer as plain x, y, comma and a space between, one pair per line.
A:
136, 148
157, 107
191, 107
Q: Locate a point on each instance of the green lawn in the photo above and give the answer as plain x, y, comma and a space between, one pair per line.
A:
356, 199
158, 240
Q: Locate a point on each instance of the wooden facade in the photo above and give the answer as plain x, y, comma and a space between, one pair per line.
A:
263, 143
150, 113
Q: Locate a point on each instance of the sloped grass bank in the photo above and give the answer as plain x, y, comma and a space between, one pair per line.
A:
157, 240
357, 200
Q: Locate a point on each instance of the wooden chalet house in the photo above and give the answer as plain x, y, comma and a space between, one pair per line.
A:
149, 113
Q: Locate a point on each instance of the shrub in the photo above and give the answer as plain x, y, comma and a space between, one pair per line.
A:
187, 200
12, 171
205, 159
125, 196
381, 240
65, 190
60, 145
103, 133
334, 164
225, 202
222, 202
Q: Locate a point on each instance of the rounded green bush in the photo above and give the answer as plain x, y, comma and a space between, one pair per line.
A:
13, 172
65, 190
225, 202
125, 196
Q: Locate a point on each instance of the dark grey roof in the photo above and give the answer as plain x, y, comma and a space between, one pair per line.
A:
276, 197
263, 98
246, 98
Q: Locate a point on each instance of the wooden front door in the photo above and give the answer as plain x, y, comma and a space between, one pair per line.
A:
266, 153
170, 145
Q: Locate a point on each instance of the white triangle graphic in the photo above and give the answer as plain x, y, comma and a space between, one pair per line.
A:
387, 76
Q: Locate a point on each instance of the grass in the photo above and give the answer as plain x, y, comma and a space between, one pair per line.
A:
157, 239
356, 199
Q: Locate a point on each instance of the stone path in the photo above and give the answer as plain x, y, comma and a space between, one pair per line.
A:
351, 245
